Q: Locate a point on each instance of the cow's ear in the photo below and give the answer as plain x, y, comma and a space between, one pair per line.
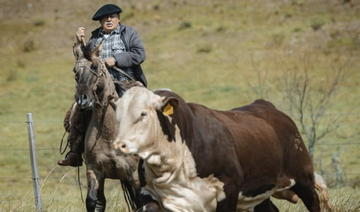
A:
169, 105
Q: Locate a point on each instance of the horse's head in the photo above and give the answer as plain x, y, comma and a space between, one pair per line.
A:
93, 81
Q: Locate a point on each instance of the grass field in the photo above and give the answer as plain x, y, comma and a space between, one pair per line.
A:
220, 53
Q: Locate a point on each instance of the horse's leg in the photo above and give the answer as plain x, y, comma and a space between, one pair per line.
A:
95, 199
101, 201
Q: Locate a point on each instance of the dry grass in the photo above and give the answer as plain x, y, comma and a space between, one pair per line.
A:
209, 51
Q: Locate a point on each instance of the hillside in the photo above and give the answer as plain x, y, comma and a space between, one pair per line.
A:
220, 53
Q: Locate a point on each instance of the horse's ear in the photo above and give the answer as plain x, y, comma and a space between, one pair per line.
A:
95, 56
78, 49
97, 50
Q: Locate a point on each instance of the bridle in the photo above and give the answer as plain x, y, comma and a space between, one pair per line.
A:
98, 73
102, 69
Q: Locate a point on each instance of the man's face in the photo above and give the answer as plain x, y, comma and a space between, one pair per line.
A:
110, 22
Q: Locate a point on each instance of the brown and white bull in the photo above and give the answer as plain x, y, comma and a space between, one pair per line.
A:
199, 159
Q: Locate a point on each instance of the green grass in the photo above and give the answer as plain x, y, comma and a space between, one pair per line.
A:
341, 199
210, 52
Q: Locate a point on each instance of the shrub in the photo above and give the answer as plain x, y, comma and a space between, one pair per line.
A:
297, 29
39, 22
29, 46
204, 49
20, 64
12, 76
185, 25
220, 29
277, 39
316, 23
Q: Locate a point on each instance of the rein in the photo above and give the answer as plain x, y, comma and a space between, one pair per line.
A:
103, 70
123, 73
103, 103
61, 149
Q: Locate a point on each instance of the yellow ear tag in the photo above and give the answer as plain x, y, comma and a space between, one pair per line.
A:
168, 110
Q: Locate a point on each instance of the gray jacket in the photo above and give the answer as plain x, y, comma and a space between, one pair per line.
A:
129, 60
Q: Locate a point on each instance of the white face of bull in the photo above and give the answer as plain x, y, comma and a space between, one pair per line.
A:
172, 179
139, 127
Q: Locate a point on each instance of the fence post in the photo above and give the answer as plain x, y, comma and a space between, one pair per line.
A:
35, 175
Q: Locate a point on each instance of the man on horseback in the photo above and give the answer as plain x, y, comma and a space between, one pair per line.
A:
122, 52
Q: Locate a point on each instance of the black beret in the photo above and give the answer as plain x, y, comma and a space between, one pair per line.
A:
107, 9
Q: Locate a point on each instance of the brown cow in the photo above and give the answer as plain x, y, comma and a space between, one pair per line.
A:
194, 155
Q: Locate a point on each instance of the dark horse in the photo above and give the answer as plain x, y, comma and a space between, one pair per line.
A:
95, 90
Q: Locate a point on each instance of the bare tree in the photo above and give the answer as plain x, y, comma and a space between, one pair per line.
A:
261, 86
309, 99
307, 95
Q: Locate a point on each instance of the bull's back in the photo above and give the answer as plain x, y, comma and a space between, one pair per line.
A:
236, 141
257, 144
266, 141
281, 132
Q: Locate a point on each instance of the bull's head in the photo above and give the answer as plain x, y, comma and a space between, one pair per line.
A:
141, 114
89, 75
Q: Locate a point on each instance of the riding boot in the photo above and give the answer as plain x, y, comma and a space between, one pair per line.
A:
79, 120
73, 157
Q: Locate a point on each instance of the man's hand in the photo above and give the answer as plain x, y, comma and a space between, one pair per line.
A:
110, 62
80, 34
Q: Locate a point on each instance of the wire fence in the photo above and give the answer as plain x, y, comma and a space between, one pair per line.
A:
333, 167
